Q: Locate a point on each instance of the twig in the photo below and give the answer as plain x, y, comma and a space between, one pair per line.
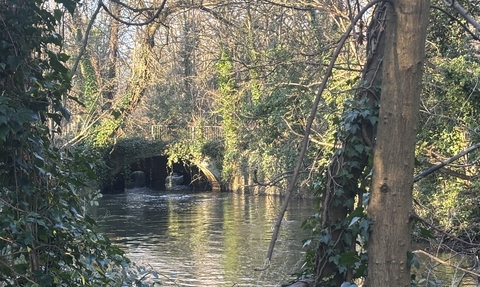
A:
148, 21
474, 36
444, 232
275, 179
467, 16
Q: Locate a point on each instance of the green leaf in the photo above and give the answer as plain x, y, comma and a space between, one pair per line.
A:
412, 260
26, 115
365, 225
38, 156
63, 111
90, 220
14, 61
4, 132
325, 238
307, 243
349, 258
359, 148
58, 14
426, 233
70, 5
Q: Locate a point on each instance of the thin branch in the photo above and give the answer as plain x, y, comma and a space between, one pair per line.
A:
456, 20
444, 232
467, 16
283, 5
312, 139
470, 272
444, 163
85, 40
216, 15
308, 127
148, 21
275, 179
133, 9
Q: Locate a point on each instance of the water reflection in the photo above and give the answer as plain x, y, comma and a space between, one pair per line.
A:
205, 239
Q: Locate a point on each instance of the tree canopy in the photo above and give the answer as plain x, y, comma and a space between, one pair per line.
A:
281, 79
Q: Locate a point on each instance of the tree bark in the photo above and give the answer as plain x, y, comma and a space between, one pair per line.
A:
334, 207
392, 182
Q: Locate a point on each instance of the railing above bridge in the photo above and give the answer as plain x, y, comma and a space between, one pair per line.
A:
171, 132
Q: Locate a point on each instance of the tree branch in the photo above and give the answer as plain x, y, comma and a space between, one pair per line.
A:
474, 245
464, 14
444, 163
275, 179
148, 21
470, 272
474, 36
85, 40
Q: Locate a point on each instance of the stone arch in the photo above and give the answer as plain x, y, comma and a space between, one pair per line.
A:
211, 172
155, 171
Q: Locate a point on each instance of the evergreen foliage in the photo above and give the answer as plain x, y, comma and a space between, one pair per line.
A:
46, 236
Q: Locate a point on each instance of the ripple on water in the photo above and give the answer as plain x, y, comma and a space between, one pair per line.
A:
205, 239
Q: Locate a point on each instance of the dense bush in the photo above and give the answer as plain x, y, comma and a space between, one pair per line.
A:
46, 237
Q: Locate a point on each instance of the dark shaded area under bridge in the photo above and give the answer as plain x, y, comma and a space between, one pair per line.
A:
152, 173
139, 162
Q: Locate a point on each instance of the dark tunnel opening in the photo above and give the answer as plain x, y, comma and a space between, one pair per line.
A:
154, 173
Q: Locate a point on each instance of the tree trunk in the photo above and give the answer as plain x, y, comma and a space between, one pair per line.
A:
392, 182
337, 205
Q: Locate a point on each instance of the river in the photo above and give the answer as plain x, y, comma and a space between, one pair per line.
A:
218, 239
206, 239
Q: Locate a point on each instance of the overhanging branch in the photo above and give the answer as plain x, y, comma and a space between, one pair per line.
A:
446, 162
148, 21
467, 16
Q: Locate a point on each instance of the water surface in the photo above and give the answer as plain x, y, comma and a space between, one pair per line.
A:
206, 239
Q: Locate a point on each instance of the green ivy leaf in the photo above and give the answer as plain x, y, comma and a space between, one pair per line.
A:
426, 233
349, 258
412, 260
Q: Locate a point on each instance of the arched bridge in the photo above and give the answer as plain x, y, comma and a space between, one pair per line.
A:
139, 162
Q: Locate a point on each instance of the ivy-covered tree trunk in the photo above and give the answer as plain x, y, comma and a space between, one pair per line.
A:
392, 182
346, 174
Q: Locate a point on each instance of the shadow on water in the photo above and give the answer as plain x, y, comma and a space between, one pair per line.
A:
205, 239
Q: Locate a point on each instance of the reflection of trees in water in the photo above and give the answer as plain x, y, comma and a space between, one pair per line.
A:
205, 239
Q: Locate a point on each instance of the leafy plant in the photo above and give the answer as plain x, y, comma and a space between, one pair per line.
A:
46, 237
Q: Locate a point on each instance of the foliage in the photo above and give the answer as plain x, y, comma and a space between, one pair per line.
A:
90, 88
254, 68
448, 125
46, 236
186, 150
227, 106
347, 175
